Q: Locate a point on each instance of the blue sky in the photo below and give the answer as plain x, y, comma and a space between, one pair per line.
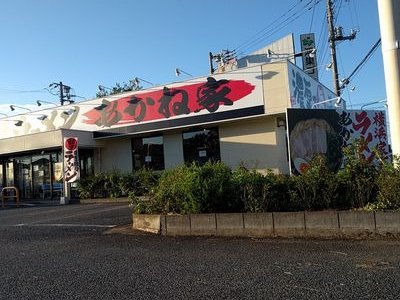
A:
92, 42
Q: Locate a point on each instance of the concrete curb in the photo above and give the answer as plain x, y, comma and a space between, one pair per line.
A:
278, 224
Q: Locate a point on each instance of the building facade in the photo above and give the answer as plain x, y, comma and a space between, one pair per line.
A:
238, 117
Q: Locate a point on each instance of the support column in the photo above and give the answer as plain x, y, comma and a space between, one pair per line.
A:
389, 19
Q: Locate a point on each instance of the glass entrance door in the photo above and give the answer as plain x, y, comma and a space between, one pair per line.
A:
40, 173
2, 177
10, 173
24, 178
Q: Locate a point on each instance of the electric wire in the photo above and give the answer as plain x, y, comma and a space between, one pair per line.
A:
270, 33
280, 25
355, 11
341, 62
322, 37
4, 90
364, 60
337, 10
312, 16
323, 43
344, 73
266, 28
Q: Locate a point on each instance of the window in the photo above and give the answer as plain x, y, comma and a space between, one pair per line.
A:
201, 145
2, 179
148, 152
86, 160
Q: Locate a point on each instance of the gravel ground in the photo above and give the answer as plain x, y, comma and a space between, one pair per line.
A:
83, 252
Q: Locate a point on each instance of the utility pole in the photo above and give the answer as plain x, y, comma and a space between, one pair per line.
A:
211, 57
221, 58
389, 20
335, 34
60, 85
64, 92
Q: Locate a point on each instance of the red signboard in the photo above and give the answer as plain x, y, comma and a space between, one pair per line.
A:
71, 160
153, 105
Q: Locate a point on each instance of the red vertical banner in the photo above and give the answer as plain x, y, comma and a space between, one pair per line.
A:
71, 159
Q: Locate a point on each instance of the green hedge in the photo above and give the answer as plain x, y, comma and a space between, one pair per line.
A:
116, 184
214, 187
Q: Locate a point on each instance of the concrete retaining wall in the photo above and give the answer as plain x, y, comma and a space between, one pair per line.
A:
150, 223
284, 224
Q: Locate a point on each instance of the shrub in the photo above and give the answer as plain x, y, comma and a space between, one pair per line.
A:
260, 193
93, 186
115, 184
359, 175
214, 188
388, 183
194, 189
278, 198
112, 184
251, 188
315, 189
345, 195
139, 183
174, 192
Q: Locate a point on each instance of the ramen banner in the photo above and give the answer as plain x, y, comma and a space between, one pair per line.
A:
327, 131
71, 159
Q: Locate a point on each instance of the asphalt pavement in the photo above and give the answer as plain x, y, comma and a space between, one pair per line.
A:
90, 252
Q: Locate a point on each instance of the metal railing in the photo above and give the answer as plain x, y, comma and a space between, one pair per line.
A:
4, 196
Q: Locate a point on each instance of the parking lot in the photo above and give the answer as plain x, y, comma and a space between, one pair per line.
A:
93, 215
89, 252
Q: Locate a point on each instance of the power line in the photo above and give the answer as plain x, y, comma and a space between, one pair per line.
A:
322, 45
267, 27
312, 16
339, 6
308, 6
280, 26
21, 91
346, 81
64, 92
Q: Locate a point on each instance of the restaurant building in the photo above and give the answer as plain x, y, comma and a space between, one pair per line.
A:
238, 117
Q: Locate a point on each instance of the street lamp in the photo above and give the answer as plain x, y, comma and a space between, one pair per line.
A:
272, 54
375, 102
40, 102
179, 71
138, 80
97, 107
69, 112
12, 107
103, 88
16, 122
337, 103
327, 67
40, 117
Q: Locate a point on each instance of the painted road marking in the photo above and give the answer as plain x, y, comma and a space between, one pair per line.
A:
63, 225
54, 216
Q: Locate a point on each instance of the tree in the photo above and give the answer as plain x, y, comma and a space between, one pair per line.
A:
132, 85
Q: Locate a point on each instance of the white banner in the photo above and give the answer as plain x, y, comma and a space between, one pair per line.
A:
200, 96
71, 159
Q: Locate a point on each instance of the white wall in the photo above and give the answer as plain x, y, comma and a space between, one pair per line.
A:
115, 154
258, 144
173, 149
41, 140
